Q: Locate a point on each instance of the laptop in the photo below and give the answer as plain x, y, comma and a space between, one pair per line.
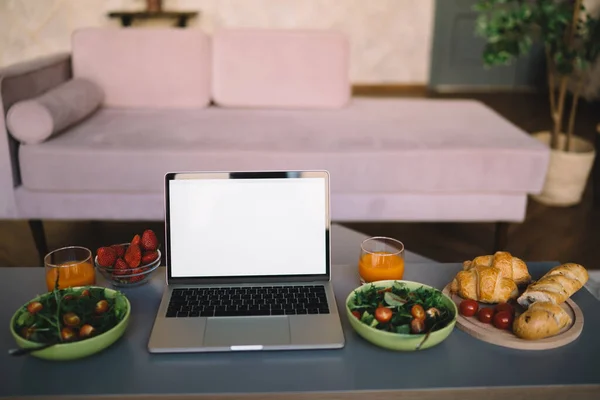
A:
248, 263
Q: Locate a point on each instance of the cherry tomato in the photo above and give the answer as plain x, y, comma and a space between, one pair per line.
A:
485, 315
417, 311
356, 314
86, 331
417, 325
101, 307
85, 293
34, 307
468, 308
67, 334
503, 320
505, 307
27, 332
71, 319
383, 314
68, 297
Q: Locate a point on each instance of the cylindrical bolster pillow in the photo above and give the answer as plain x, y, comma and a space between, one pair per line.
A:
36, 120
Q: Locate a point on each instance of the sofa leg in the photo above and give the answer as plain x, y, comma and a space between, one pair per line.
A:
596, 172
501, 236
39, 237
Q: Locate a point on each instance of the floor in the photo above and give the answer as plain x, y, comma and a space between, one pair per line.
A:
548, 233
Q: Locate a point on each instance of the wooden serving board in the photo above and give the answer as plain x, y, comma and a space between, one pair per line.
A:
489, 333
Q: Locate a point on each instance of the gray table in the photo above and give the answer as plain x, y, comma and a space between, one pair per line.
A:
460, 367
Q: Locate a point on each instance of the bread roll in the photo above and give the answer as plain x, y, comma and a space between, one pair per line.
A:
484, 284
541, 320
556, 286
512, 267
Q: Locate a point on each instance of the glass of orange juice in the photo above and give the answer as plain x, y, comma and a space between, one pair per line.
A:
381, 258
71, 265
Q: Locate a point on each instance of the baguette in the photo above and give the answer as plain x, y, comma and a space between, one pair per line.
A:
541, 320
556, 286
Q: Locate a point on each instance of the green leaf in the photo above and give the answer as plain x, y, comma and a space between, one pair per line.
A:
100, 293
405, 329
511, 27
401, 317
367, 318
120, 306
353, 307
25, 319
393, 299
400, 289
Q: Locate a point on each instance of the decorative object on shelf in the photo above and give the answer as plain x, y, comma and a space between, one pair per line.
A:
571, 38
154, 10
153, 5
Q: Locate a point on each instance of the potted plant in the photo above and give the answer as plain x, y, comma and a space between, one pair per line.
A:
571, 39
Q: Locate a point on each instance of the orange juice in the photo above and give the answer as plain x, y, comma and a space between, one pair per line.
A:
71, 274
380, 266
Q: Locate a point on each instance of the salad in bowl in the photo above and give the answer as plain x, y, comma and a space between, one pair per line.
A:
401, 315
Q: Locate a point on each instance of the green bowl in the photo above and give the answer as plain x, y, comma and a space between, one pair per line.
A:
75, 350
399, 341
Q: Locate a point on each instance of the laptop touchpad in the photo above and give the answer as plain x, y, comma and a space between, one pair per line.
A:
274, 330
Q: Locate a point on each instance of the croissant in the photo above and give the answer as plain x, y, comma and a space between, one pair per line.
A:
556, 286
484, 284
512, 267
541, 320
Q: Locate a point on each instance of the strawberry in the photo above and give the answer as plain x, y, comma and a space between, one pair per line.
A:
106, 256
136, 240
149, 240
136, 278
133, 256
120, 267
119, 249
149, 257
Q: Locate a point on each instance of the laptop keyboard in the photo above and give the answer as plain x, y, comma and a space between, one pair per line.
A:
248, 301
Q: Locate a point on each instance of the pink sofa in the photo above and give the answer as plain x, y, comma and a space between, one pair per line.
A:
253, 99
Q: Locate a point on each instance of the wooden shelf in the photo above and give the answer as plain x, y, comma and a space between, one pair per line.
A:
127, 17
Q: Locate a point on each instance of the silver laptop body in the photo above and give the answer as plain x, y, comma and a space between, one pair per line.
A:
248, 263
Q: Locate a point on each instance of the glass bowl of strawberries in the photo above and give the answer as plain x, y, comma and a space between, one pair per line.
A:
129, 264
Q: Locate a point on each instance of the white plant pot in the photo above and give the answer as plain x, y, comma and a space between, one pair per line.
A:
567, 173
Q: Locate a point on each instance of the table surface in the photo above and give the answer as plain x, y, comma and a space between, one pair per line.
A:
461, 364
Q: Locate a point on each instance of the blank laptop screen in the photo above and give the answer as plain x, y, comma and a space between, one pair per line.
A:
247, 227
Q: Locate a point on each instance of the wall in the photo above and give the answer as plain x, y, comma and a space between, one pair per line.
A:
390, 39
592, 89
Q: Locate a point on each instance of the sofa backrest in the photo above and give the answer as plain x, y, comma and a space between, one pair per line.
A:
147, 68
280, 68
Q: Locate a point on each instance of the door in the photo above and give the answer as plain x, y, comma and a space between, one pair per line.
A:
456, 58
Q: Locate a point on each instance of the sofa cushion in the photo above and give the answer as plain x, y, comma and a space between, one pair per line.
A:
145, 67
35, 120
372, 146
280, 68
476, 207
